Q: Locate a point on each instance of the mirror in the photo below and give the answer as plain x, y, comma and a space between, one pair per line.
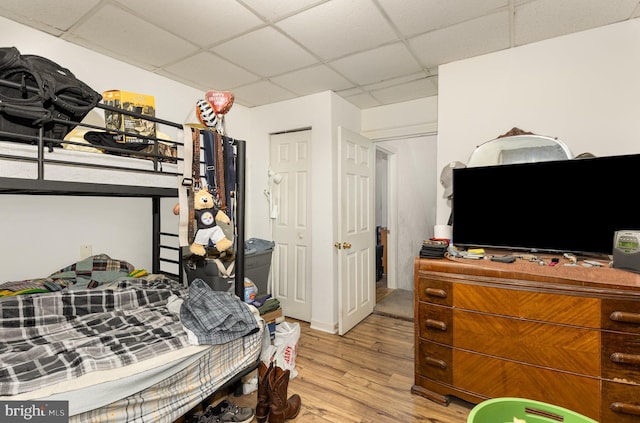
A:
517, 146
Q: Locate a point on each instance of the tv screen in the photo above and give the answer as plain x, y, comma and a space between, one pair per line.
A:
570, 206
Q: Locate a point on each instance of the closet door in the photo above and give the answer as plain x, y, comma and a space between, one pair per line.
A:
290, 216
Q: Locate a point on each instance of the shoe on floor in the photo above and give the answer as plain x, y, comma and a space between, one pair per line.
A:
226, 411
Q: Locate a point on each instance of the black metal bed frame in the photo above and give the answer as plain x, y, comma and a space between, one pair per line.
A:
42, 186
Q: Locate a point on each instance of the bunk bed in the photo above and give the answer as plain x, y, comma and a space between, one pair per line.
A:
160, 378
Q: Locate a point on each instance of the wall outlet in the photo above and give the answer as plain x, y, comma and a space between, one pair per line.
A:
85, 251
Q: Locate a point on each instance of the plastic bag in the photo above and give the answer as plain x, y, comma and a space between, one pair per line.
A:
286, 344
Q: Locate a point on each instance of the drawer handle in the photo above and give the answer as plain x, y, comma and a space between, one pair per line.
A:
435, 362
433, 292
436, 324
622, 358
625, 317
625, 408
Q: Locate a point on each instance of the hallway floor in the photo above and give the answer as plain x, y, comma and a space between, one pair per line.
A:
397, 303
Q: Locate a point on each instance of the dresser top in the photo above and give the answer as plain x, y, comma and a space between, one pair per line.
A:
561, 276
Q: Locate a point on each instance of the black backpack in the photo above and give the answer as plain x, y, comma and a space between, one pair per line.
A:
37, 92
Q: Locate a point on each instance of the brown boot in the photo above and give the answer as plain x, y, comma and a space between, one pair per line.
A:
265, 380
281, 407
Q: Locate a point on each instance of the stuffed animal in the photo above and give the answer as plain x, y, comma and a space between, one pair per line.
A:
207, 229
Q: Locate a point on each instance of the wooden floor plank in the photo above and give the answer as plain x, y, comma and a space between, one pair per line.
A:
364, 376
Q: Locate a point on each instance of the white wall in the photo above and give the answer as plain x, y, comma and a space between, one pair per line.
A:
582, 88
404, 119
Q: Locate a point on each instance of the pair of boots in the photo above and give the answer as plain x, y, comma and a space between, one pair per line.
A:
272, 395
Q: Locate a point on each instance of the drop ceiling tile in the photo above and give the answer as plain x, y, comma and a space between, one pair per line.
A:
127, 36
212, 22
54, 17
543, 19
363, 101
312, 80
472, 38
377, 64
260, 93
206, 69
265, 51
350, 91
425, 87
395, 81
413, 17
336, 28
274, 10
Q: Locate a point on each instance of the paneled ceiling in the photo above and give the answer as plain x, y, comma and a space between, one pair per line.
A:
371, 52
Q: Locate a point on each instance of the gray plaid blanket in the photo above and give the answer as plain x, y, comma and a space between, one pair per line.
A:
49, 338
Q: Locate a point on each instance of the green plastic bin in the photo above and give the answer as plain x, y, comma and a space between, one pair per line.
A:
503, 410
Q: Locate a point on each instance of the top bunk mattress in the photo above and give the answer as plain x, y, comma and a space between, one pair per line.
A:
19, 160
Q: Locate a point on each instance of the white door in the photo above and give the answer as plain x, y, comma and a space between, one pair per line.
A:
356, 229
290, 214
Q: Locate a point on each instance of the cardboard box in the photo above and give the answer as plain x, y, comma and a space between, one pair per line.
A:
271, 316
142, 104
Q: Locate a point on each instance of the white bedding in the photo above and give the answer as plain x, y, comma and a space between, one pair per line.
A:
114, 384
13, 168
164, 394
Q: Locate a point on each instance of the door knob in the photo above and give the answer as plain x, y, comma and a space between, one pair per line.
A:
346, 245
337, 245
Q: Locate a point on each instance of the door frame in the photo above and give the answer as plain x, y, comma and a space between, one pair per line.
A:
392, 214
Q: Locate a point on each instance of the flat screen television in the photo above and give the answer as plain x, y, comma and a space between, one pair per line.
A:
572, 206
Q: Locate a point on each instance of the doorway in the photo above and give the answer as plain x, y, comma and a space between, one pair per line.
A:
407, 179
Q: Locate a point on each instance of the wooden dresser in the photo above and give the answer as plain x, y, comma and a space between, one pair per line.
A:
486, 330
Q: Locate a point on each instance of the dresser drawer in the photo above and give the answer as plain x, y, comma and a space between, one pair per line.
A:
434, 362
495, 378
620, 403
527, 304
434, 291
561, 347
435, 323
621, 357
621, 315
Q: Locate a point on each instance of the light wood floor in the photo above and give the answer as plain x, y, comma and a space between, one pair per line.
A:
364, 376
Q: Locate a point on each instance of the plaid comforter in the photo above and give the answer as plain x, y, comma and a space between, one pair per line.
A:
49, 338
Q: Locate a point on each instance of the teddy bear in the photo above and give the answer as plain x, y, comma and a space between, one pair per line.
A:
207, 229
